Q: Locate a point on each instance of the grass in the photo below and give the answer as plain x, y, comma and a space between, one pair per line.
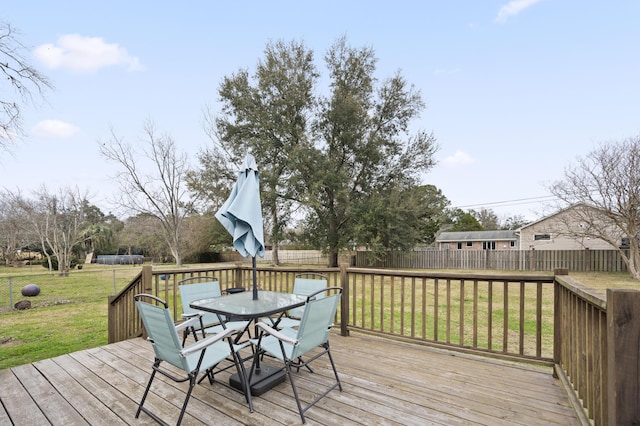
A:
414, 308
70, 314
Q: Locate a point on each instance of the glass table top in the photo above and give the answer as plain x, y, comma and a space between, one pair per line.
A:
242, 306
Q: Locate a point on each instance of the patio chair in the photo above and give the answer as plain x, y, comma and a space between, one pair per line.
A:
202, 356
304, 285
291, 345
209, 323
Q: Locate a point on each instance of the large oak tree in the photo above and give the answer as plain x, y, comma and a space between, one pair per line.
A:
325, 154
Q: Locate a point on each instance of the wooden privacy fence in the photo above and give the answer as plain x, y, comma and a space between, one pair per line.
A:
507, 260
547, 319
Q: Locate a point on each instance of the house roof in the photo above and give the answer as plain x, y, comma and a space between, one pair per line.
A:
498, 235
552, 215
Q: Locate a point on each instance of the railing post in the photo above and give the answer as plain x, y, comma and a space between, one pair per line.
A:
344, 301
623, 352
112, 323
238, 276
147, 278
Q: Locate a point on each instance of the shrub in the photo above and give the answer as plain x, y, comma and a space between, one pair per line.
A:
54, 263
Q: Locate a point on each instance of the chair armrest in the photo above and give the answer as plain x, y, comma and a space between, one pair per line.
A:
188, 323
202, 344
275, 333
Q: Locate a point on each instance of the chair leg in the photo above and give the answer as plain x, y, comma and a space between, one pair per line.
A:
333, 365
146, 391
295, 391
242, 374
192, 383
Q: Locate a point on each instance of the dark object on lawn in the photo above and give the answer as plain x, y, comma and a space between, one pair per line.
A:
22, 305
30, 290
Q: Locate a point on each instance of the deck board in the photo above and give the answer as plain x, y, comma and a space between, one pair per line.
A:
385, 383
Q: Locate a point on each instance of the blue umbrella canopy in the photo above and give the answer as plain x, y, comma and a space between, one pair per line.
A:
241, 214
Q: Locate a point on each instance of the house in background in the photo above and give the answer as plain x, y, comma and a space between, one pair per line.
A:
478, 240
557, 232
554, 232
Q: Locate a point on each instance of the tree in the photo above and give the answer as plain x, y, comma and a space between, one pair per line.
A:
415, 217
13, 232
604, 189
487, 218
58, 220
459, 220
144, 232
433, 205
19, 83
265, 114
162, 192
363, 147
514, 222
322, 159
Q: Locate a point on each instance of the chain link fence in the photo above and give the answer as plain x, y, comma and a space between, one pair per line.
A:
85, 283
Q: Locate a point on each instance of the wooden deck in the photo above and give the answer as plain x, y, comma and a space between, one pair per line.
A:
385, 383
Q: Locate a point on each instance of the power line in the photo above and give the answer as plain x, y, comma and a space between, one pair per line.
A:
514, 202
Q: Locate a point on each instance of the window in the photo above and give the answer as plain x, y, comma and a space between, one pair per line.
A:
488, 245
459, 246
513, 244
469, 243
542, 237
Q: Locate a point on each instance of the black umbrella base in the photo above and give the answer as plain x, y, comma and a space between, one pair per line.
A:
261, 381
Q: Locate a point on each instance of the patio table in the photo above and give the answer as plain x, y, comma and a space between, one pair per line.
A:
242, 306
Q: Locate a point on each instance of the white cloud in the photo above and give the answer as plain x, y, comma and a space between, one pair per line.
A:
513, 8
84, 54
54, 129
459, 158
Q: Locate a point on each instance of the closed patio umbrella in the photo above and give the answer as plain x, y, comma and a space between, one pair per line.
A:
241, 215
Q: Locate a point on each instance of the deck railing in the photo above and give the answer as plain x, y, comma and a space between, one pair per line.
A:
125, 323
597, 350
548, 319
499, 315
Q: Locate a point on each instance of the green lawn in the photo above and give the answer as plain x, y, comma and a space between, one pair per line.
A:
69, 314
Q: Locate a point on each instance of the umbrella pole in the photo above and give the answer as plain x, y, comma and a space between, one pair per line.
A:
255, 280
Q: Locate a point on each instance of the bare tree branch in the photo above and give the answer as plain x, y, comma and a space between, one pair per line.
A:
19, 82
604, 189
152, 182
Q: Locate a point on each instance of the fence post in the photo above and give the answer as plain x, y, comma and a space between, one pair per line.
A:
533, 263
10, 292
623, 352
344, 301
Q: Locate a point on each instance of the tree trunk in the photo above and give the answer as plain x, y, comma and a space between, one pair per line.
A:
333, 259
275, 258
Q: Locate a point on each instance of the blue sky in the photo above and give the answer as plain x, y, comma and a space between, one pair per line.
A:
515, 90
